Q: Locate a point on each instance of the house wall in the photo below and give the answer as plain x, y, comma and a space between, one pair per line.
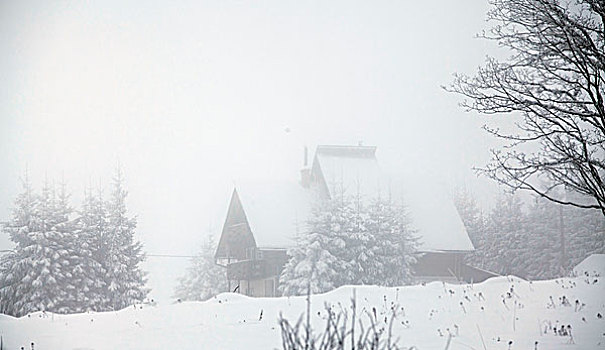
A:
475, 275
439, 265
257, 276
266, 287
448, 267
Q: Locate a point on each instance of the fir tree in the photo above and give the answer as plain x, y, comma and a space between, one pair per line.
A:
90, 233
506, 241
585, 233
349, 242
317, 263
393, 246
64, 265
122, 254
563, 235
39, 273
21, 229
543, 244
204, 278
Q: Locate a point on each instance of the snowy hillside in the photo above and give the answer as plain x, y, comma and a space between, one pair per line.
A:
494, 312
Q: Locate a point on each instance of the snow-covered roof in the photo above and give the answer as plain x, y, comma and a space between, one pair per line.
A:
349, 170
276, 211
354, 170
435, 217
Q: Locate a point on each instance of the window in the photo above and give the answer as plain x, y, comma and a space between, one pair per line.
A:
251, 253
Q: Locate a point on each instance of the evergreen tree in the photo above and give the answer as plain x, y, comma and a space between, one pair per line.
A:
90, 233
559, 237
317, 262
351, 232
543, 240
21, 229
121, 254
393, 245
350, 242
63, 265
506, 241
584, 231
23, 219
39, 273
204, 278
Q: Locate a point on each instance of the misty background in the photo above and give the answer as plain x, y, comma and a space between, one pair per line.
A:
190, 97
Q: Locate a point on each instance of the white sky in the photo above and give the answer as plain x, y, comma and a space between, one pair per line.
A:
189, 96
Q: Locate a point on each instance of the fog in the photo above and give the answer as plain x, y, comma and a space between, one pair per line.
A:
190, 97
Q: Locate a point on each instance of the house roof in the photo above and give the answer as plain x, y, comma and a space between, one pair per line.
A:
349, 170
435, 217
236, 235
276, 211
354, 170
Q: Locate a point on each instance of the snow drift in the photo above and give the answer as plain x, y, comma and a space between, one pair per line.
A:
501, 313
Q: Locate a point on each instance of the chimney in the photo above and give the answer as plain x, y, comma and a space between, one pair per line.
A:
305, 172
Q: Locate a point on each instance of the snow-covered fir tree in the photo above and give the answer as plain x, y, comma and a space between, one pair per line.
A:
543, 251
393, 245
506, 239
317, 263
543, 241
66, 265
121, 254
39, 273
360, 260
81, 265
585, 233
204, 278
21, 228
559, 237
90, 232
350, 242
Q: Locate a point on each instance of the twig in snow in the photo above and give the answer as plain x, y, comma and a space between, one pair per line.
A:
481, 336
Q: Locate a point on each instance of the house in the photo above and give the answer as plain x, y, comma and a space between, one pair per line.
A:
263, 220
261, 224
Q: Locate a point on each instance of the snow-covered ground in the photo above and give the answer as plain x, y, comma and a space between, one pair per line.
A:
480, 316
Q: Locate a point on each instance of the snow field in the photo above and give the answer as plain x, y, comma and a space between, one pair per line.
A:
499, 310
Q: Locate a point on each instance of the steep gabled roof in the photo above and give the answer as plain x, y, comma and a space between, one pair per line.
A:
276, 211
354, 170
350, 170
236, 236
435, 217
271, 214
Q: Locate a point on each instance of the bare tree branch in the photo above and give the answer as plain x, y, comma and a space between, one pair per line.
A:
555, 80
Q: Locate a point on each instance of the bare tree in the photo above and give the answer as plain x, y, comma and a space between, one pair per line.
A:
554, 81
